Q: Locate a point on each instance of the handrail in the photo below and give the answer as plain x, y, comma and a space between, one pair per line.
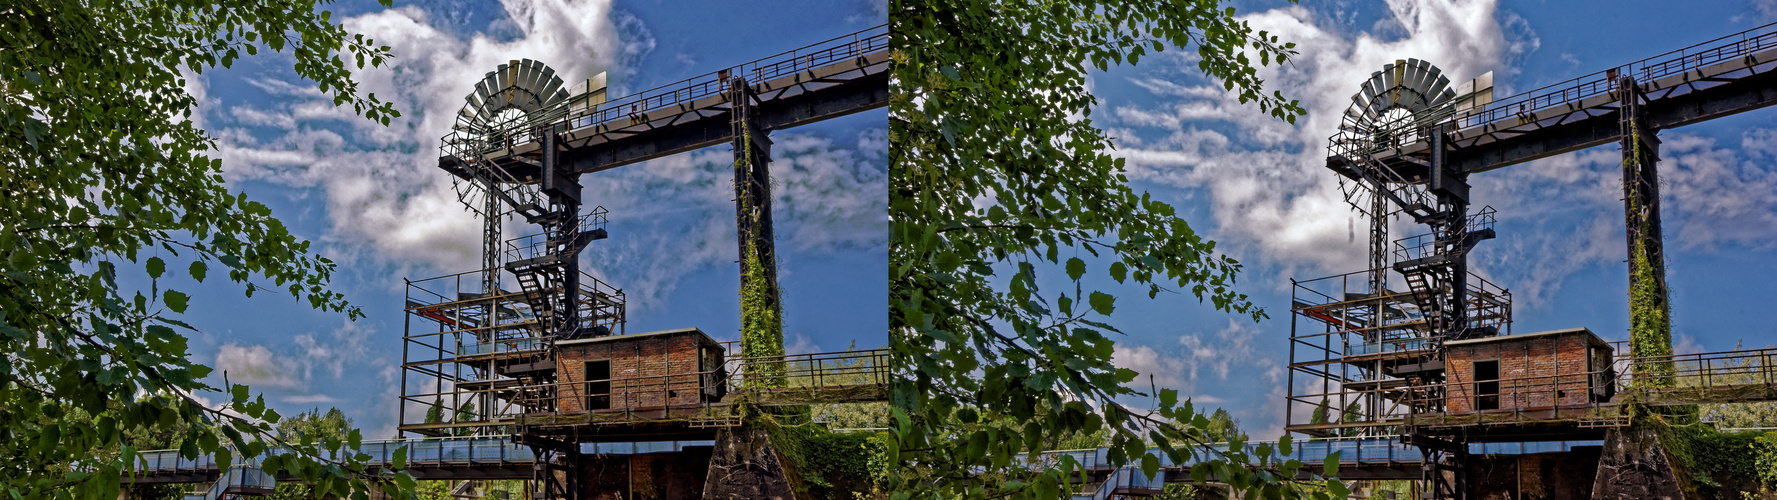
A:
1645, 70
677, 94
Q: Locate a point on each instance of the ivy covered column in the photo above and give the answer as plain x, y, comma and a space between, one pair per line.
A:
1650, 326
761, 321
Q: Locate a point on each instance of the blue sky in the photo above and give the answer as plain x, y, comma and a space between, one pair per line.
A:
372, 200
1258, 186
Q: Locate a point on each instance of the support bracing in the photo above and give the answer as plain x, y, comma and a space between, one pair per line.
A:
761, 322
1649, 312
555, 474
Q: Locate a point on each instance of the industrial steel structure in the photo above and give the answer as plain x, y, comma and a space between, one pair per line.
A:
551, 363
1420, 346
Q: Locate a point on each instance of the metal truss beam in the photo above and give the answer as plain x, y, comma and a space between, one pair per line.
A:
865, 93
1739, 96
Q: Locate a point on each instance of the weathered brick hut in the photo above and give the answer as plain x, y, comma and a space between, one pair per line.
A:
1528, 372
639, 372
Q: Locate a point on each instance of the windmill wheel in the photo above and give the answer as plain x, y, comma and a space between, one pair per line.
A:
1394, 103
509, 99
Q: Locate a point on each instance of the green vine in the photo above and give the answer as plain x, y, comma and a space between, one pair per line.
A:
1710, 463
826, 464
761, 311
1650, 322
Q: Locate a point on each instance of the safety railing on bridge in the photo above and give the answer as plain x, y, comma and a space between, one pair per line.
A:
489, 450
240, 480
1691, 58
1727, 376
715, 83
683, 94
463, 451
827, 370
1351, 452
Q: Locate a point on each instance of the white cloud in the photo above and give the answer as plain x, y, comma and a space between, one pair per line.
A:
305, 399
292, 369
1196, 356
257, 367
1165, 371
348, 343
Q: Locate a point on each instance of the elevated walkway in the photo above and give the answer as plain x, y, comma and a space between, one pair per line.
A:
454, 458
1379, 458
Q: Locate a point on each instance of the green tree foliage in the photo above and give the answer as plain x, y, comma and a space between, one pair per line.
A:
858, 371
1746, 369
311, 426
107, 178
997, 174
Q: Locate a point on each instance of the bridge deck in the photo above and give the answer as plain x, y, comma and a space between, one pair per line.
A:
838, 77
1710, 80
1377, 458
477, 457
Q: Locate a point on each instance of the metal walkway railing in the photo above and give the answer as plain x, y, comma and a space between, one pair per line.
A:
421, 454
1353, 453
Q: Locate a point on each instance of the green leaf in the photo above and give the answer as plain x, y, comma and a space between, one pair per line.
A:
175, 300
198, 269
1075, 268
156, 267
1102, 302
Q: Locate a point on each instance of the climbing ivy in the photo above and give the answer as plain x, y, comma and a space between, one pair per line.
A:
1765, 451
1707, 462
821, 463
761, 311
1650, 327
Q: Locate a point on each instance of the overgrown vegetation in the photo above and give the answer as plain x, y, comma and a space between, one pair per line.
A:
1650, 322
761, 310
1708, 462
108, 179
998, 174
825, 464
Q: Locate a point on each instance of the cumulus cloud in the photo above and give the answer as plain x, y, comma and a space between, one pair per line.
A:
291, 369
386, 201
256, 366
1195, 357
1566, 212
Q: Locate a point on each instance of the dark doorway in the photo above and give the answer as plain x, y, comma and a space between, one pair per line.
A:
598, 385
1487, 385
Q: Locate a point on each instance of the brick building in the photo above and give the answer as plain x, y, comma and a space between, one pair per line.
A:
1532, 371
642, 371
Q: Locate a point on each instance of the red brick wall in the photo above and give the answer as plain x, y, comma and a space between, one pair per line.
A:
1534, 373
646, 372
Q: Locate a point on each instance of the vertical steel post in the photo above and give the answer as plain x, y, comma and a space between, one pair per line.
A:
1650, 327
760, 303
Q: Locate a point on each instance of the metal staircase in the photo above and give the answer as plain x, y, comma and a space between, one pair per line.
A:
544, 268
